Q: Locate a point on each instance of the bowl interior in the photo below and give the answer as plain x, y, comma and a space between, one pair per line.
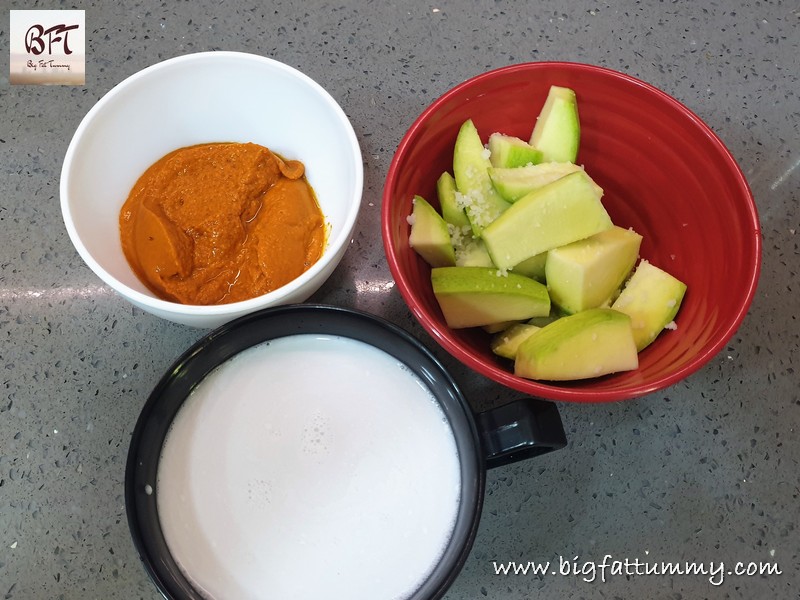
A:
199, 98
664, 173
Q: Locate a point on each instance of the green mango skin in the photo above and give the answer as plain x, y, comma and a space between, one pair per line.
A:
479, 296
451, 211
508, 151
481, 202
592, 343
557, 132
513, 183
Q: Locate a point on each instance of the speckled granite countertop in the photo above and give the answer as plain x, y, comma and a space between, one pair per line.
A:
703, 472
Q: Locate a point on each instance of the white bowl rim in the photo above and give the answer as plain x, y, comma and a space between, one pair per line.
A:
334, 245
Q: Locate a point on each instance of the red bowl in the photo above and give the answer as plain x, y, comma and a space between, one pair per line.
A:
665, 174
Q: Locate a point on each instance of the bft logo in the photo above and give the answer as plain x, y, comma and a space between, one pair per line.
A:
35, 38
48, 47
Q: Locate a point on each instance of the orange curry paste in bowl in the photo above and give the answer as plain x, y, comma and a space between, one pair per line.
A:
222, 222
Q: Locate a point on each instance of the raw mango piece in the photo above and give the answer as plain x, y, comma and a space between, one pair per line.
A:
469, 250
513, 184
557, 132
506, 342
542, 321
556, 214
533, 267
429, 235
498, 327
651, 298
588, 344
477, 296
476, 194
473, 254
586, 274
509, 151
451, 211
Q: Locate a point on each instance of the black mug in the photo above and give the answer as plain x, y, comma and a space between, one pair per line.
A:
515, 431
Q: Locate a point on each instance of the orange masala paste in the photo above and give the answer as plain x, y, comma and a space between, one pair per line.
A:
219, 223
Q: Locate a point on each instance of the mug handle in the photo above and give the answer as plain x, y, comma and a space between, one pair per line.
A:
521, 429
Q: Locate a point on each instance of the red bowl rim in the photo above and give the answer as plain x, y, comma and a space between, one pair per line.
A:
538, 388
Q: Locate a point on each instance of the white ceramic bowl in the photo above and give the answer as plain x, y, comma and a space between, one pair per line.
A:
200, 98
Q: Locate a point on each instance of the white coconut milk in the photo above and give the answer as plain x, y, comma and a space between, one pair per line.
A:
309, 467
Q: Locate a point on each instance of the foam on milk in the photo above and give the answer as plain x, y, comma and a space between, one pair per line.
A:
309, 467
